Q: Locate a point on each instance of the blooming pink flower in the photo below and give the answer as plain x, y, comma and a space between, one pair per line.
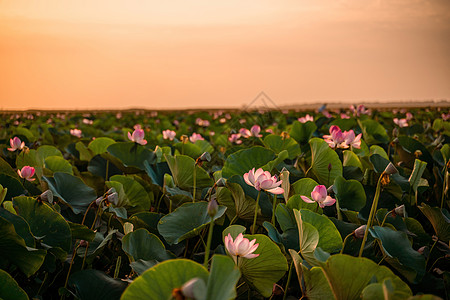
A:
88, 122
345, 116
244, 132
234, 138
351, 140
306, 119
269, 130
319, 195
241, 246
254, 131
76, 132
196, 137
360, 110
138, 136
26, 173
401, 122
169, 134
137, 126
16, 144
263, 180
335, 138
445, 117
409, 116
201, 122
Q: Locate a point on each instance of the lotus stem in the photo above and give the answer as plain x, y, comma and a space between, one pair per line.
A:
345, 241
118, 264
256, 212
208, 242
273, 208
70, 268
195, 183
288, 280
444, 185
338, 210
372, 213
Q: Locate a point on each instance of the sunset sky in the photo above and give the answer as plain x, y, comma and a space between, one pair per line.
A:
65, 54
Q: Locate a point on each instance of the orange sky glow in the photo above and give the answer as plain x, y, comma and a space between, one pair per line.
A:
108, 54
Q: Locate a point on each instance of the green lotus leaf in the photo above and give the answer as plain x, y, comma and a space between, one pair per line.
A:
58, 164
244, 160
14, 250
322, 157
302, 132
263, 271
278, 144
147, 220
20, 226
349, 193
81, 232
194, 150
100, 145
237, 203
350, 159
396, 244
308, 239
131, 154
416, 175
96, 285
85, 153
13, 186
440, 222
182, 169
222, 279
9, 289
410, 145
72, 190
141, 244
5, 168
44, 222
373, 132
133, 194
186, 221
159, 281
329, 238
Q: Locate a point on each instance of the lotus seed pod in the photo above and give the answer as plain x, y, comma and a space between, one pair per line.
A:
359, 232
213, 207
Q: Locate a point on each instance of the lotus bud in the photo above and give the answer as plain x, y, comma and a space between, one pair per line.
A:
128, 227
401, 211
330, 166
421, 250
205, 156
390, 169
359, 232
193, 287
113, 198
221, 182
395, 132
99, 200
47, 196
213, 207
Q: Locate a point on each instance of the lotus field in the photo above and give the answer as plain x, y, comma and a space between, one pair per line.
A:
345, 204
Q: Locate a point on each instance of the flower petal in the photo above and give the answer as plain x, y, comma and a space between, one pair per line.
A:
307, 200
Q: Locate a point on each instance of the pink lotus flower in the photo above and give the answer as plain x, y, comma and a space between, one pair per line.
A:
254, 131
360, 110
76, 132
345, 116
169, 134
196, 137
137, 127
26, 173
234, 138
445, 117
351, 140
306, 119
16, 144
320, 195
88, 122
241, 246
263, 180
335, 138
409, 116
201, 122
401, 122
138, 136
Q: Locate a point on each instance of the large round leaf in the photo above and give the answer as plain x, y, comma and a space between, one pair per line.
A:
348, 276
141, 244
58, 164
20, 226
223, 278
182, 168
100, 145
131, 154
266, 269
322, 157
159, 281
302, 132
244, 160
308, 239
441, 223
72, 190
186, 221
44, 222
9, 289
373, 132
278, 144
329, 238
349, 193
96, 285
397, 245
14, 250
135, 193
15, 188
